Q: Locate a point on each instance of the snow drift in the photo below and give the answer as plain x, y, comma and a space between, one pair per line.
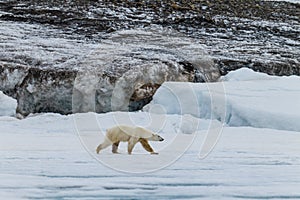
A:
8, 105
246, 98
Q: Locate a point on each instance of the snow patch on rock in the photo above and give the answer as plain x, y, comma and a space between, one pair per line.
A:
8, 105
246, 74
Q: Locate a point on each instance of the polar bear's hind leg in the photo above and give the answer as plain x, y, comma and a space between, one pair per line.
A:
105, 144
115, 147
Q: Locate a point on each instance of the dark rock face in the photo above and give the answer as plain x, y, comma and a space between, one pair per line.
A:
46, 91
38, 90
124, 72
237, 33
75, 56
120, 73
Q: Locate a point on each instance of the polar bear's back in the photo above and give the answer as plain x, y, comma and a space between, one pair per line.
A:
124, 132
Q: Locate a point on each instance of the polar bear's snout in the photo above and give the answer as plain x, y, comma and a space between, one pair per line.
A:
161, 139
156, 137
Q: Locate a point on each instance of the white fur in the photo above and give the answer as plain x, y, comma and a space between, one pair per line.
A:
130, 134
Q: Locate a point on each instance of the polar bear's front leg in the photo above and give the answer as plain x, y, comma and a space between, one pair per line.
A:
132, 141
146, 145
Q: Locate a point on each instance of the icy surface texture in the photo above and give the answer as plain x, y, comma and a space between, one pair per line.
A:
245, 99
42, 158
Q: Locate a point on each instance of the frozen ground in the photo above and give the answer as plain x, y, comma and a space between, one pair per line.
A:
42, 158
51, 156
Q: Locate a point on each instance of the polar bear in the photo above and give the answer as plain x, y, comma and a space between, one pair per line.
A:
130, 134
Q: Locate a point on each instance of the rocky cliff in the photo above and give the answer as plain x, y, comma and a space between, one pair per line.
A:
54, 73
77, 56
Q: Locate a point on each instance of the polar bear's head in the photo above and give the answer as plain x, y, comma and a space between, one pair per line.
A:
155, 137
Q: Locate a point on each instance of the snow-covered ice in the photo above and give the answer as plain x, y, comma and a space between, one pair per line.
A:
243, 98
8, 105
246, 74
42, 157
51, 156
